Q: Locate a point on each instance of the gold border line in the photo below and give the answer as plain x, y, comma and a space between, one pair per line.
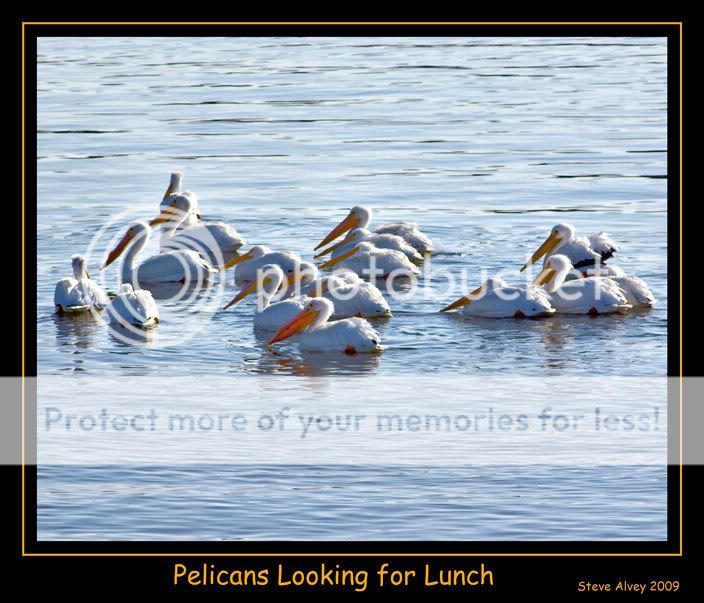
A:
353, 22
681, 350
350, 554
22, 454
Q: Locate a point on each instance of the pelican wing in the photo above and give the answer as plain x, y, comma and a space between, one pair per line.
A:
602, 244
348, 335
361, 299
589, 295
174, 266
578, 251
410, 233
635, 290
133, 307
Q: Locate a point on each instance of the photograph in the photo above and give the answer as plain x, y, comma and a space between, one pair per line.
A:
350, 307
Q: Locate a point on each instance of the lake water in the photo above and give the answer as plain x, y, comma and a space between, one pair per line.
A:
485, 142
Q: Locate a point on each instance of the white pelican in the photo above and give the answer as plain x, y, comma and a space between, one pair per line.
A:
634, 289
581, 251
171, 266
361, 217
359, 299
268, 316
365, 258
496, 299
248, 264
580, 296
215, 240
80, 293
380, 241
349, 335
175, 189
339, 278
130, 307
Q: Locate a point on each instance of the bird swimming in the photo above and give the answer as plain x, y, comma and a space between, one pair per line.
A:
130, 307
182, 265
581, 251
80, 293
360, 217
318, 333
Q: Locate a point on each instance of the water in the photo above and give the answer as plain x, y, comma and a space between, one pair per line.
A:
486, 143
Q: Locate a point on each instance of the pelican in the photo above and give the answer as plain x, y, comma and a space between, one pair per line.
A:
270, 316
132, 307
175, 189
385, 262
171, 266
351, 295
581, 251
581, 296
361, 217
248, 264
496, 299
360, 299
215, 240
80, 293
349, 335
635, 289
339, 278
380, 241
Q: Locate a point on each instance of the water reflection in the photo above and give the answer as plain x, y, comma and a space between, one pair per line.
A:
75, 336
289, 359
76, 330
125, 337
177, 291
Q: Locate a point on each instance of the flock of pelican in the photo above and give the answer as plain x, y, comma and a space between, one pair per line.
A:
329, 312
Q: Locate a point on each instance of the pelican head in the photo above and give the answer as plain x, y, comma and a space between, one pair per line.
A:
307, 273
174, 185
359, 217
268, 282
553, 273
78, 263
299, 276
255, 252
136, 231
315, 313
488, 285
178, 208
354, 236
559, 235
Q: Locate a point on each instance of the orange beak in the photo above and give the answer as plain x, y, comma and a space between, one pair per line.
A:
298, 323
165, 214
544, 277
340, 258
463, 301
333, 247
348, 223
548, 245
119, 248
243, 258
251, 288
